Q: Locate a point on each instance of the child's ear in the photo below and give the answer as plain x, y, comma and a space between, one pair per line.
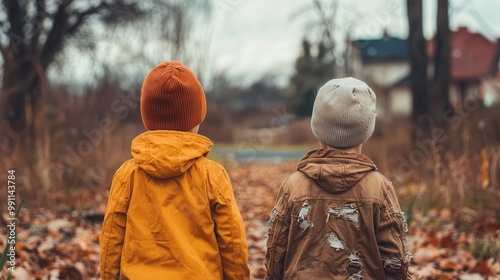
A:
194, 129
322, 145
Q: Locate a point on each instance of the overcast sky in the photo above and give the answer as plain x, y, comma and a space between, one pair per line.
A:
253, 37
250, 39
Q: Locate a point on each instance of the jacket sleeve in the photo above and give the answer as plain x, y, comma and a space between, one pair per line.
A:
391, 237
113, 231
230, 230
277, 239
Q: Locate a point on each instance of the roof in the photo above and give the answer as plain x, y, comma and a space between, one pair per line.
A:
472, 54
387, 48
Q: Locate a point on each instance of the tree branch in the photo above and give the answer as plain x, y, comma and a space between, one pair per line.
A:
324, 20
82, 16
40, 16
56, 35
15, 16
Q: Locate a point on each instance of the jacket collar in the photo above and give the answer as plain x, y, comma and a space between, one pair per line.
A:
168, 153
335, 170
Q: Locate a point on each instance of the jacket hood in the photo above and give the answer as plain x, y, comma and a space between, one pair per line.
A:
167, 153
334, 170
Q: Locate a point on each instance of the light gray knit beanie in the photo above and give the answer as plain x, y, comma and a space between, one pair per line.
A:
344, 114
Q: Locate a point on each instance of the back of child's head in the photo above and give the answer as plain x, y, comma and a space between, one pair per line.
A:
172, 98
344, 113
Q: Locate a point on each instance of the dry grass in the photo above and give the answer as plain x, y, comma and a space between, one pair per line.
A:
72, 153
458, 172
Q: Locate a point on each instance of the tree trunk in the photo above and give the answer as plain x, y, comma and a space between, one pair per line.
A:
496, 60
21, 95
442, 66
418, 74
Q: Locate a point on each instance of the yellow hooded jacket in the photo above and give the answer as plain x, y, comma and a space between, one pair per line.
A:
172, 214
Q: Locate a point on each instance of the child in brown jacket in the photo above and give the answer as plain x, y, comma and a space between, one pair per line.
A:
336, 217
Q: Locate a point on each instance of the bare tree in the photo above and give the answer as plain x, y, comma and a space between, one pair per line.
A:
318, 60
442, 65
418, 64
32, 34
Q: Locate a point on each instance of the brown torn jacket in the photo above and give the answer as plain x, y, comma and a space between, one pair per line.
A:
337, 218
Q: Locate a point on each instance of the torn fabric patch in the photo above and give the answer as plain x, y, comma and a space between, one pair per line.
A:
302, 217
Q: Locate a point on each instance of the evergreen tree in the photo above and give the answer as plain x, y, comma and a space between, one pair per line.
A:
314, 67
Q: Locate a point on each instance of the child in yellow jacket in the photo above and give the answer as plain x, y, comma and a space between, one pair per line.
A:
171, 212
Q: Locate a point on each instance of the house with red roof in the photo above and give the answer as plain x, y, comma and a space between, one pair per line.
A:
384, 64
473, 58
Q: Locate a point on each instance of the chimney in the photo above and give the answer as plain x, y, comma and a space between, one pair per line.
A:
385, 36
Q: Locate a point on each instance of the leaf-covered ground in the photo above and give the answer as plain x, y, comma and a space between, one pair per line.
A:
66, 246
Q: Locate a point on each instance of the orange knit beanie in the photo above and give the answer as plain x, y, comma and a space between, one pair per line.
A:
172, 98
